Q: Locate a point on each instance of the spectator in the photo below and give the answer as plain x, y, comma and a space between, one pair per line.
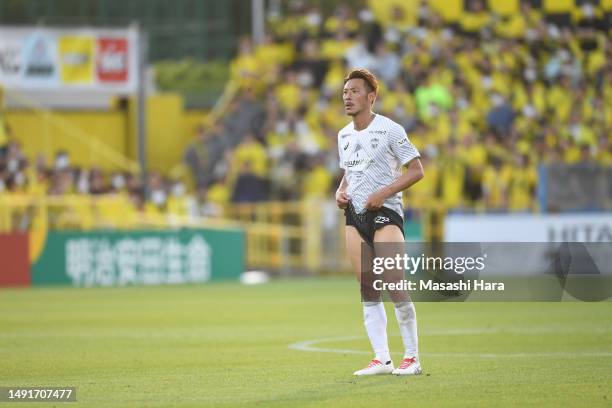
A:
198, 160
501, 117
387, 63
4, 137
252, 152
249, 187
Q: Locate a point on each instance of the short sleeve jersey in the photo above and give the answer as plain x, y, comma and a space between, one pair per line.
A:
373, 158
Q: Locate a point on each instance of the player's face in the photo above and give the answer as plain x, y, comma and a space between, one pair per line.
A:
355, 96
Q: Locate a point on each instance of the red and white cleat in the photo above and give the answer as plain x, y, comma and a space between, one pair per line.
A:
375, 368
409, 366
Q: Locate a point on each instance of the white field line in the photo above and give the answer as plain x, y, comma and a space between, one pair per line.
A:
315, 345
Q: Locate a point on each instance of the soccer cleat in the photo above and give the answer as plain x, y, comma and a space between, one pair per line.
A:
375, 368
409, 366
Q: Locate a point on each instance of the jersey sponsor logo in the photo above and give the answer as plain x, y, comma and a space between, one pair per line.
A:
358, 159
381, 220
358, 163
378, 132
344, 135
403, 141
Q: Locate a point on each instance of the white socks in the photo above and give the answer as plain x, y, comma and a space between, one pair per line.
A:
375, 321
406, 318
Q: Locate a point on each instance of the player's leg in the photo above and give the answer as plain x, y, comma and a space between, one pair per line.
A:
374, 315
389, 242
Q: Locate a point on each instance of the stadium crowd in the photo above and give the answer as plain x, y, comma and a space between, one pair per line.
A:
486, 100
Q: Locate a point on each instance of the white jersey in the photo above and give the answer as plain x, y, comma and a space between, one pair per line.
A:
372, 158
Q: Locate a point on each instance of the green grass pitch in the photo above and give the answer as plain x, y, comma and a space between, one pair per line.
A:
224, 344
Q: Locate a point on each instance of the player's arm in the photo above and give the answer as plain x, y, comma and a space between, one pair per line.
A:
341, 196
414, 172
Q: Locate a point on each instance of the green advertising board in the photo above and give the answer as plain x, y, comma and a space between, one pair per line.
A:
118, 258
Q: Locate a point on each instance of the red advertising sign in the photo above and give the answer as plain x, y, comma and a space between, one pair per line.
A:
15, 261
112, 62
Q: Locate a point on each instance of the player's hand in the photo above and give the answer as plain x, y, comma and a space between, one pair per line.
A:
341, 199
375, 201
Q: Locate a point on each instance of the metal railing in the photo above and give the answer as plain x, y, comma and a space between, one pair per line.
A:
295, 237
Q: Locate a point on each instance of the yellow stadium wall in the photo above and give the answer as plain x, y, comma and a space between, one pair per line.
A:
75, 132
164, 147
104, 138
170, 129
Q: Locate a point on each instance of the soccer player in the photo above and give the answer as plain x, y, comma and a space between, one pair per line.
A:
373, 149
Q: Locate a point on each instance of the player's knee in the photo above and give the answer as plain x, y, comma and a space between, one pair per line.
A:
399, 296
